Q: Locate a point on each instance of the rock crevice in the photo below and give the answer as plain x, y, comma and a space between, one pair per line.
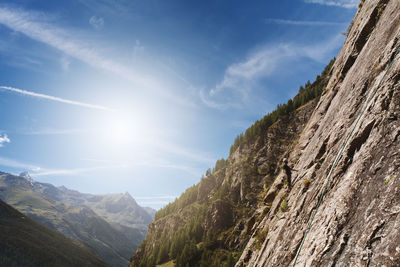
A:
351, 227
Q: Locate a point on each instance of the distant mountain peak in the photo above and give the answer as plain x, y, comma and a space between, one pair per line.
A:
113, 225
127, 195
27, 176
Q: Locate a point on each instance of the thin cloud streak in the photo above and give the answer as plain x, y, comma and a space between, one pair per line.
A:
55, 98
167, 165
350, 4
304, 22
31, 25
214, 104
158, 143
50, 131
239, 78
17, 164
37, 171
76, 171
181, 151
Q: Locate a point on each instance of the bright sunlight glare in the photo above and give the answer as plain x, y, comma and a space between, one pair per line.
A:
121, 129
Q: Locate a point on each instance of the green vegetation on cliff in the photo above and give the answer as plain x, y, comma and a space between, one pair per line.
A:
210, 223
187, 198
306, 93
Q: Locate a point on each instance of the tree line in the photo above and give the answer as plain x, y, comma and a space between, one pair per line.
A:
306, 93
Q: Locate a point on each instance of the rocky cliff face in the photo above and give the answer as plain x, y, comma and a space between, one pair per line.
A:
247, 215
221, 207
358, 221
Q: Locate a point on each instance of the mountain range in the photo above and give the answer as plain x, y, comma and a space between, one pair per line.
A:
113, 225
24, 242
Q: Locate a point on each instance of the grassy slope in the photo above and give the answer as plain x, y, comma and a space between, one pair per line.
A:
79, 223
24, 242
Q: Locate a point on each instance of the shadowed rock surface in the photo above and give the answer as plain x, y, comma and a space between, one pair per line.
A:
358, 221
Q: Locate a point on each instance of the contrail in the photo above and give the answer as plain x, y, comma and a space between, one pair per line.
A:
31, 24
54, 98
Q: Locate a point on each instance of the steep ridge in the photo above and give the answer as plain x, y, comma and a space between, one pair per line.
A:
24, 242
119, 209
209, 224
358, 221
243, 212
113, 225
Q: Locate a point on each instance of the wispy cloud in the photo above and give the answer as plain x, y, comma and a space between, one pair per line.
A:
239, 78
186, 153
155, 162
4, 139
77, 171
35, 27
37, 171
209, 100
50, 131
164, 164
304, 22
21, 58
96, 22
338, 3
54, 98
17, 164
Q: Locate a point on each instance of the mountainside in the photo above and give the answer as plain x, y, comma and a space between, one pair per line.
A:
113, 225
357, 223
24, 242
210, 223
244, 213
116, 208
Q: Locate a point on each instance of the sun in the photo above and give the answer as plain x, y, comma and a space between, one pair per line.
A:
119, 130
122, 132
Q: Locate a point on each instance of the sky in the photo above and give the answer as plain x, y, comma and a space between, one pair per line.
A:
114, 96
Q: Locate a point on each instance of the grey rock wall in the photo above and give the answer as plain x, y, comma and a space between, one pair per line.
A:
358, 222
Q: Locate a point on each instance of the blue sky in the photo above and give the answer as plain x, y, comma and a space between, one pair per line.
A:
108, 96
